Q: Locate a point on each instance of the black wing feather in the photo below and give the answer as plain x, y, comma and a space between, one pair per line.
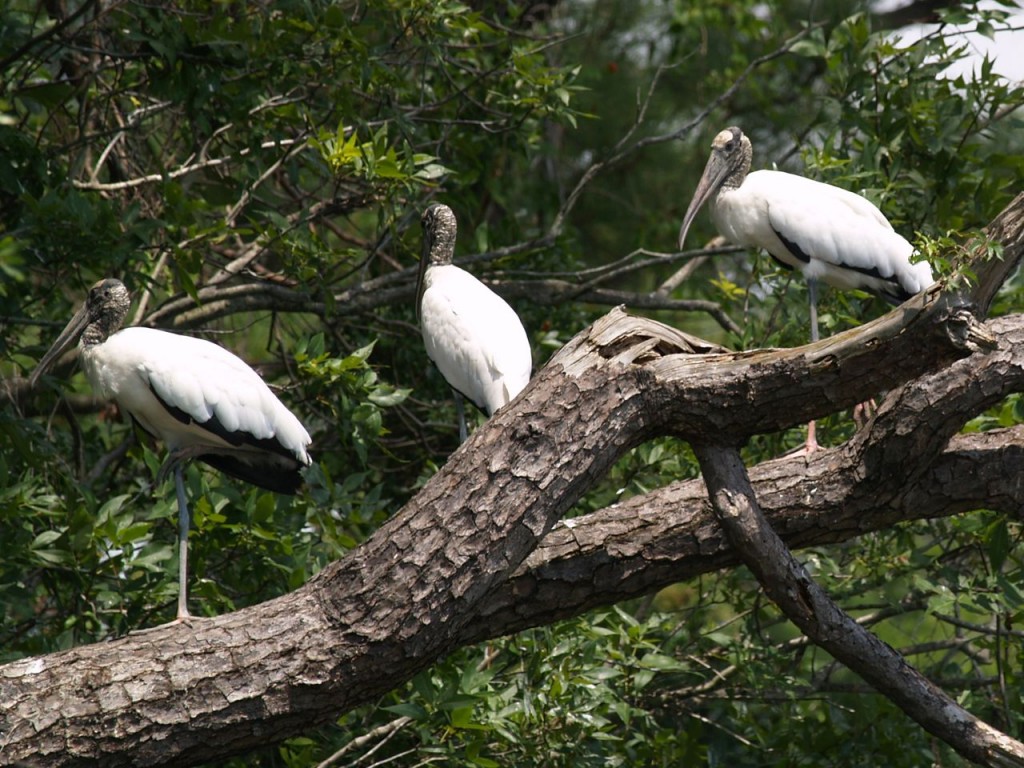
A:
894, 293
271, 466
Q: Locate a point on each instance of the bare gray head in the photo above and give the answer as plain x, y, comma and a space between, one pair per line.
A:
439, 231
728, 166
99, 318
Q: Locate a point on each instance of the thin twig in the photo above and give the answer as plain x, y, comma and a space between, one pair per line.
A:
619, 152
383, 732
184, 170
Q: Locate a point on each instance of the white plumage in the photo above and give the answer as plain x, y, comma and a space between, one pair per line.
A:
825, 232
153, 375
848, 243
473, 336
202, 401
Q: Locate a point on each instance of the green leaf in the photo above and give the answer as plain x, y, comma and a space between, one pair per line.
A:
46, 538
998, 537
406, 709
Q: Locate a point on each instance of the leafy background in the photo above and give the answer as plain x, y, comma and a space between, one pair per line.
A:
255, 173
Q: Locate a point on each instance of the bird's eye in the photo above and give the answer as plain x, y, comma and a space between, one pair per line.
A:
729, 145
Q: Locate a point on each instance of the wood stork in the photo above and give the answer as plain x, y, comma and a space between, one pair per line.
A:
202, 401
474, 338
825, 232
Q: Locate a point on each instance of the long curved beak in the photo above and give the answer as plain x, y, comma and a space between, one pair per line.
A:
67, 337
714, 174
424, 260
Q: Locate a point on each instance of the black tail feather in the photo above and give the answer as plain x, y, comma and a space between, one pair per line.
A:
267, 472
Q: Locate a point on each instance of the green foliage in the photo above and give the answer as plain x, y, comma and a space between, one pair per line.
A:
571, 694
255, 173
917, 143
374, 160
641, 471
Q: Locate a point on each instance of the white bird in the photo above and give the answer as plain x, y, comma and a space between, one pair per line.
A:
825, 232
473, 336
202, 401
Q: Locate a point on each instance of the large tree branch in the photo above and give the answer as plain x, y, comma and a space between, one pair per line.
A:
417, 588
411, 591
671, 535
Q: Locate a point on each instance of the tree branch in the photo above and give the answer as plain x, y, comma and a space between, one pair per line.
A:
412, 591
670, 535
1007, 230
184, 170
809, 607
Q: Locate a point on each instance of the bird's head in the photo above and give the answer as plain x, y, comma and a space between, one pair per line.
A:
728, 165
102, 315
107, 304
439, 230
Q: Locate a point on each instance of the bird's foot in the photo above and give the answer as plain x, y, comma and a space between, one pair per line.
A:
863, 413
188, 620
804, 450
810, 445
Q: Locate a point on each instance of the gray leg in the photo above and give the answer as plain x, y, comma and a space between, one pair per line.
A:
461, 411
812, 290
183, 525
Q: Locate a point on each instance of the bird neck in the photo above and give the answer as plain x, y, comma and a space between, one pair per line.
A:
442, 238
104, 324
95, 333
740, 166
442, 250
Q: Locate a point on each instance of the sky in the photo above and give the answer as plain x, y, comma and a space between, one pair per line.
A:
1007, 49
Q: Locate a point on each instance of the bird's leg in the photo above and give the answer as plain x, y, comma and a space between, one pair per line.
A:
811, 444
176, 458
183, 526
812, 292
862, 412
176, 463
461, 411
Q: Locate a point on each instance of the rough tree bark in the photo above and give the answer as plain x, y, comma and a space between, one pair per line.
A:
477, 553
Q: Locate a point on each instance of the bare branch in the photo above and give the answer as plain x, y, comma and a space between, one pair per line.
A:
200, 165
